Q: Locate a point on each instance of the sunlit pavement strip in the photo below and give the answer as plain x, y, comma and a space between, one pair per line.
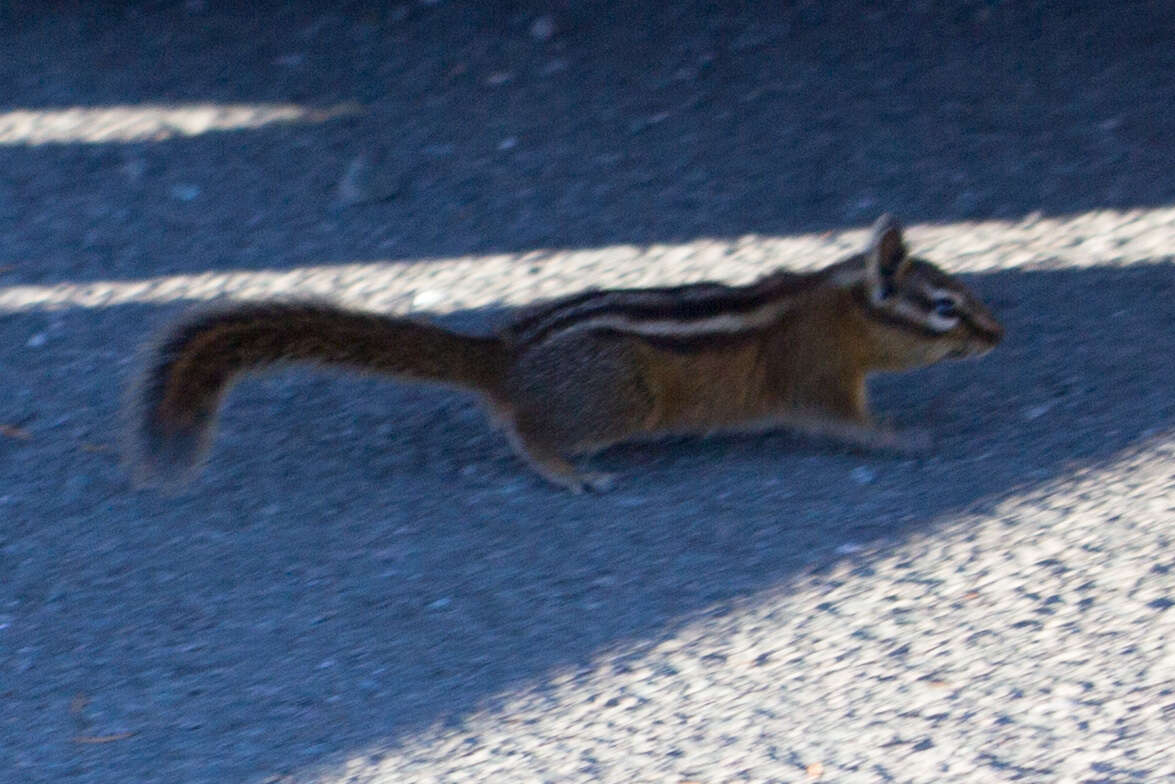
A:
146, 122
1033, 643
446, 284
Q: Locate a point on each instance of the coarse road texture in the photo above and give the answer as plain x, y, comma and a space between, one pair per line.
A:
366, 585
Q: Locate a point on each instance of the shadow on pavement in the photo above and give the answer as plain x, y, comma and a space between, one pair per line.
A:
362, 560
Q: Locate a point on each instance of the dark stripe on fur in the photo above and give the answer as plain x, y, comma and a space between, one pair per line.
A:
892, 319
693, 302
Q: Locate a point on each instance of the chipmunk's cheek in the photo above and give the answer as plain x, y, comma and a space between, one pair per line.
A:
975, 347
937, 352
962, 347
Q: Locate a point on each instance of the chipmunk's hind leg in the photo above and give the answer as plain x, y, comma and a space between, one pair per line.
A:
555, 468
572, 396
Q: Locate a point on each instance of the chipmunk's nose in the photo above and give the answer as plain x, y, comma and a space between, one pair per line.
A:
989, 329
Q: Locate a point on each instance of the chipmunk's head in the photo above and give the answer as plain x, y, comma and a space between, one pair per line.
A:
921, 314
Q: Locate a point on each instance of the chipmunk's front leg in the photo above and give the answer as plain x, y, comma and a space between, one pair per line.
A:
843, 415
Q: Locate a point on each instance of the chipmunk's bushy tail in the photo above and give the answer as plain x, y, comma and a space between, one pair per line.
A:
174, 407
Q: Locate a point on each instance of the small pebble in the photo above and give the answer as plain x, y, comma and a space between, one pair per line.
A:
1036, 412
185, 191
351, 190
543, 28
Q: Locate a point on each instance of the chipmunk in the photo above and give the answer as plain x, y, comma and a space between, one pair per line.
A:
582, 373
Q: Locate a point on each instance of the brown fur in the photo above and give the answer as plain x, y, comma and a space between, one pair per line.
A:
601, 367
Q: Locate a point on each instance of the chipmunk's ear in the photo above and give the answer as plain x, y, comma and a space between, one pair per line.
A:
886, 260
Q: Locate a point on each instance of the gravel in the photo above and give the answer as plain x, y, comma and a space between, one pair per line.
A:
365, 585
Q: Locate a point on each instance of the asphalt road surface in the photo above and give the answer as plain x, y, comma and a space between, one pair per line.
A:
367, 586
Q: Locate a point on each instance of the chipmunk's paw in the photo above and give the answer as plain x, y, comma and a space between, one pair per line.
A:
580, 482
594, 482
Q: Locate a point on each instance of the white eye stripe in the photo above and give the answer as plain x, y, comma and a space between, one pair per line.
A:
941, 323
943, 294
917, 315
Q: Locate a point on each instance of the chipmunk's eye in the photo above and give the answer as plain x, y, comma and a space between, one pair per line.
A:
946, 307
